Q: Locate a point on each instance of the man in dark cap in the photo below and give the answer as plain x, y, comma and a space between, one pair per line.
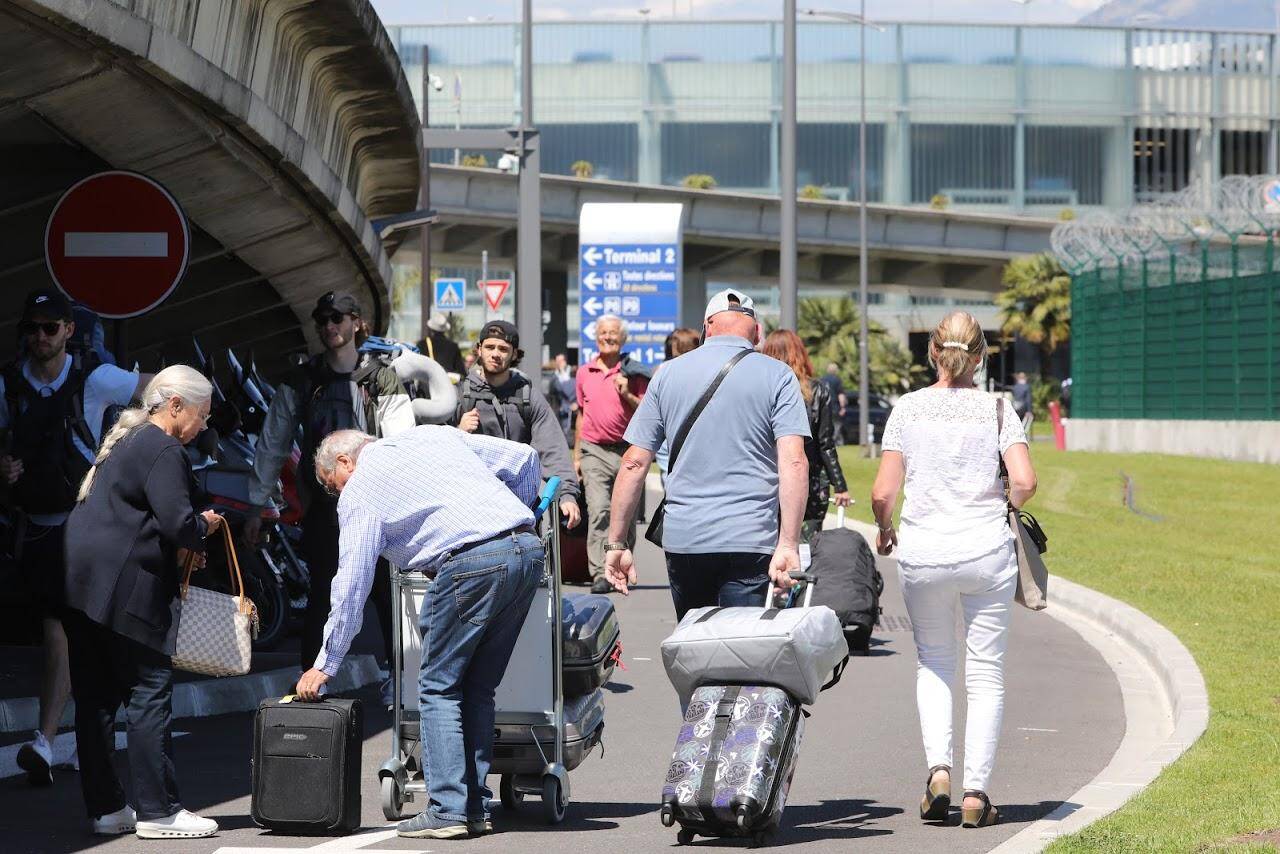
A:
337, 389
495, 399
52, 406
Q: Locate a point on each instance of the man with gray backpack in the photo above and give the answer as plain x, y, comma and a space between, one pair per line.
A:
497, 400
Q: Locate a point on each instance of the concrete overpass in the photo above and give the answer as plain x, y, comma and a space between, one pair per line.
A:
735, 235
282, 126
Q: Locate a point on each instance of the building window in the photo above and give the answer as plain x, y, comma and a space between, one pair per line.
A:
1161, 161
827, 157
1243, 152
736, 154
611, 149
970, 164
921, 299
1065, 165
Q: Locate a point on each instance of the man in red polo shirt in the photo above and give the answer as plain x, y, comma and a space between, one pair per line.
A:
609, 389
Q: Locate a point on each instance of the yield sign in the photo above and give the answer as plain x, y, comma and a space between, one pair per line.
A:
494, 290
118, 243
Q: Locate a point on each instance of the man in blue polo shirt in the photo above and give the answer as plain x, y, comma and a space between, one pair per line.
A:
736, 492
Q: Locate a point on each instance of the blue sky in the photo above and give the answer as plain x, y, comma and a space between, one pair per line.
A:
1008, 11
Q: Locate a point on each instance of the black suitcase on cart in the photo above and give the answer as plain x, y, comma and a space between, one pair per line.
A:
306, 765
591, 641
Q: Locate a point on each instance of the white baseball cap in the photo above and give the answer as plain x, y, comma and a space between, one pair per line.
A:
730, 300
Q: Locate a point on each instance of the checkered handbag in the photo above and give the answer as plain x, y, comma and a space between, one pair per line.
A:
215, 630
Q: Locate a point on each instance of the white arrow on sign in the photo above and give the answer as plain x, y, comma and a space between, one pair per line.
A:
592, 281
592, 255
592, 306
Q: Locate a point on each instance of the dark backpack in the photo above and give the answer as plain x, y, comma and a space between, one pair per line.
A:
524, 401
848, 583
41, 431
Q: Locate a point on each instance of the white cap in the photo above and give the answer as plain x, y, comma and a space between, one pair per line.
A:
438, 322
730, 300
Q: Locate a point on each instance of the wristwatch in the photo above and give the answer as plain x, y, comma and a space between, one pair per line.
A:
615, 547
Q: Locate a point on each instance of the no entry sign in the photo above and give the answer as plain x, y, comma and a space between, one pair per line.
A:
118, 243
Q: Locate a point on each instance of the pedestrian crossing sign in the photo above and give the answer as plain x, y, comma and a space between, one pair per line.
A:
450, 294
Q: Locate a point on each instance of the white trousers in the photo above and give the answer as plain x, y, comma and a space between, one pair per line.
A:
983, 589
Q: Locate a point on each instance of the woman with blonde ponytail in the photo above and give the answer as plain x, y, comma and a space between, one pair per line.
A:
132, 520
956, 554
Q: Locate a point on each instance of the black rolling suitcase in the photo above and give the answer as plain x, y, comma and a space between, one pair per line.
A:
591, 641
306, 765
850, 584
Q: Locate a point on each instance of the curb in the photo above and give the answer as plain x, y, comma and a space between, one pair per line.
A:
208, 697
1165, 699
1166, 704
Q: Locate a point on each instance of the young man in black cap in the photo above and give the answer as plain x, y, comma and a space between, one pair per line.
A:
52, 404
337, 389
495, 399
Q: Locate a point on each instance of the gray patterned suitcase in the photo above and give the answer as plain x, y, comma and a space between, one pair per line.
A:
733, 762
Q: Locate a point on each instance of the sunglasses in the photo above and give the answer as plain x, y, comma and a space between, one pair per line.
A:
51, 329
325, 318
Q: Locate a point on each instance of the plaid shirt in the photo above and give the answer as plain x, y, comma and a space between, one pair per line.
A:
414, 499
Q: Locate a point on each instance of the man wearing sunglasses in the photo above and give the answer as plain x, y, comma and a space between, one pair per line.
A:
737, 486
52, 407
337, 389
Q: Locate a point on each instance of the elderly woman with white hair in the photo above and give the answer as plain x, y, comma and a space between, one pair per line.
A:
132, 522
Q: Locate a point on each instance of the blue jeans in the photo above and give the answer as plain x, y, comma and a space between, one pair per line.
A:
727, 579
470, 619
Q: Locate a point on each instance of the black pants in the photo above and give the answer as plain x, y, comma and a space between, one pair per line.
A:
320, 547
107, 670
727, 579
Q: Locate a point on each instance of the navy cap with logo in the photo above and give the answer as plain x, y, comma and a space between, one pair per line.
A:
341, 302
48, 304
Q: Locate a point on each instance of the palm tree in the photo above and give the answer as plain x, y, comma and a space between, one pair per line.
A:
829, 329
1036, 304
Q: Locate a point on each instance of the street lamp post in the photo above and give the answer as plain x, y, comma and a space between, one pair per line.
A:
787, 272
864, 359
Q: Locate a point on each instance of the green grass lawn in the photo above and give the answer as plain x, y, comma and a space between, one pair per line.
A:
1208, 570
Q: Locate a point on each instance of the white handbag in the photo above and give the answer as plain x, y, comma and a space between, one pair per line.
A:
215, 630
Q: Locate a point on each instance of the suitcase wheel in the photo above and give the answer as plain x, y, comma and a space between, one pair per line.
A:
553, 800
685, 836
507, 793
392, 798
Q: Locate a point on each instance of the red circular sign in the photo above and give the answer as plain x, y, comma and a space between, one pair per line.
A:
118, 243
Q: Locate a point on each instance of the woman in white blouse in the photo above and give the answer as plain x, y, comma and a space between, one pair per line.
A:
956, 552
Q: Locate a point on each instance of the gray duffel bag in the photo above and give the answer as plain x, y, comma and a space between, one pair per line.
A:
795, 649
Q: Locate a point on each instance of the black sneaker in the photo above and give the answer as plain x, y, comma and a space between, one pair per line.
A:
602, 585
479, 827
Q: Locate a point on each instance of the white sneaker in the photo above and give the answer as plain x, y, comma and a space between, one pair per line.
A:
122, 820
36, 758
180, 825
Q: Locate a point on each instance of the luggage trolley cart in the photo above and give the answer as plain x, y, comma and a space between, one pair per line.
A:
529, 751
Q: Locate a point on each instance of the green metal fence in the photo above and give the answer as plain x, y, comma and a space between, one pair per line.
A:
1192, 336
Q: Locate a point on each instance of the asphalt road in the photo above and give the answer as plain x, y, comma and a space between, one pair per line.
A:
859, 778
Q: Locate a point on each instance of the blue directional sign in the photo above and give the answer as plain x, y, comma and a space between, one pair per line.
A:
636, 281
450, 294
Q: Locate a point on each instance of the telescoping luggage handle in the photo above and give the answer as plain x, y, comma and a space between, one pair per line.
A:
545, 498
808, 579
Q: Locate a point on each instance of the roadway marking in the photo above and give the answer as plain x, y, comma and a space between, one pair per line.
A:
344, 845
115, 244
1035, 729
642, 659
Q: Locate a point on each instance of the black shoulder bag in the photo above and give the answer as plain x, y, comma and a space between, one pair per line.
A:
654, 532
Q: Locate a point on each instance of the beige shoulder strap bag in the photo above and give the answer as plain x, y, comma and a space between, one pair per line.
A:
1028, 537
215, 631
